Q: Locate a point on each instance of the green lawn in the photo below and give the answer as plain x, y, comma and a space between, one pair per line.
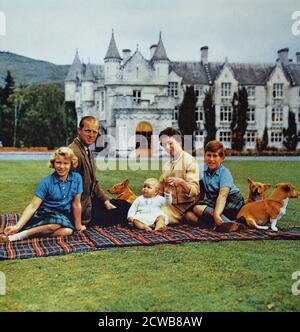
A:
226, 276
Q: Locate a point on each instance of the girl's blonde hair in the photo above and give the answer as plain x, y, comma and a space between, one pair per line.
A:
66, 152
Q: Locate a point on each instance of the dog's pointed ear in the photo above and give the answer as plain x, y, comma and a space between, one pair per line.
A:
249, 181
284, 187
267, 186
125, 182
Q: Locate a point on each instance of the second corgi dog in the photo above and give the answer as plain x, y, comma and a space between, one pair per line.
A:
271, 209
257, 191
123, 191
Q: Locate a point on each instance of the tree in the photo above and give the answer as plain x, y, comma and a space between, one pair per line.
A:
209, 117
36, 116
290, 140
5, 116
187, 116
17, 99
239, 119
71, 121
8, 88
262, 143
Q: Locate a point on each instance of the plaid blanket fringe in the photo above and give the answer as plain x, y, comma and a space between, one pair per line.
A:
97, 238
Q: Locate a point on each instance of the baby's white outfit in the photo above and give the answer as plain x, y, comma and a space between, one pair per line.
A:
147, 210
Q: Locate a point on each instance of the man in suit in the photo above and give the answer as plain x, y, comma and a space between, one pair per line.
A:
96, 207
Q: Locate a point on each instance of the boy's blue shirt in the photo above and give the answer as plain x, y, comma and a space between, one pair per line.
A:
57, 194
212, 182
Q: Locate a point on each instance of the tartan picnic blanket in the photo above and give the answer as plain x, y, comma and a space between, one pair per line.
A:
97, 238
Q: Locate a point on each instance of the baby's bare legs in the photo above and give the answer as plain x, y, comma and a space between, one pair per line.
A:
160, 224
138, 224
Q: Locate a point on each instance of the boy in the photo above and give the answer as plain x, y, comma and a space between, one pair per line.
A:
223, 199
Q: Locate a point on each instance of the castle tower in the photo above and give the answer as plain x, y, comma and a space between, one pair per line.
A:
73, 78
112, 61
160, 62
88, 81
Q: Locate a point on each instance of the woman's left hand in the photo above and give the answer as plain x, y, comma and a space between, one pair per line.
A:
173, 181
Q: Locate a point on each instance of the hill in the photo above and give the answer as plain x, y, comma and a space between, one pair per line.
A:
28, 71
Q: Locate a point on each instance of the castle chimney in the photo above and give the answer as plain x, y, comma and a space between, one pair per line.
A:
298, 57
126, 54
204, 55
283, 56
152, 50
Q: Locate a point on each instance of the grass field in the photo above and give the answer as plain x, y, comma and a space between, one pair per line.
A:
225, 276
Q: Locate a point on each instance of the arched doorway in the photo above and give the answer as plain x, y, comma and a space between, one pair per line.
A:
143, 138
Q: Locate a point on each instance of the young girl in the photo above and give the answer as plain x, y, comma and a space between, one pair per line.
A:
55, 204
145, 212
223, 199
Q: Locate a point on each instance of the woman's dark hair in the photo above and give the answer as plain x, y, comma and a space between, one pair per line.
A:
172, 132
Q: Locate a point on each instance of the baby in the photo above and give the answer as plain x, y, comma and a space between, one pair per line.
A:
145, 212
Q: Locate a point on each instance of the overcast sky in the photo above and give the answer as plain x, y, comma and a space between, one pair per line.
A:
242, 30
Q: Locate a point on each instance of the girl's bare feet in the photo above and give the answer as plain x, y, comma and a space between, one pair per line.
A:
10, 230
3, 238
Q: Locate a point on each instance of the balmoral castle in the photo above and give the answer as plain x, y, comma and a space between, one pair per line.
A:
133, 95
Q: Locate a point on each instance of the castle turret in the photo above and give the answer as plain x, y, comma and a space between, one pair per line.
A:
88, 81
112, 61
73, 78
160, 62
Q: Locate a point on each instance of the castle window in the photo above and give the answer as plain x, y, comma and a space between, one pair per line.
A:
173, 89
199, 139
225, 136
277, 90
251, 91
198, 90
251, 137
225, 89
251, 115
277, 114
137, 96
199, 114
276, 137
175, 114
225, 114
137, 72
299, 115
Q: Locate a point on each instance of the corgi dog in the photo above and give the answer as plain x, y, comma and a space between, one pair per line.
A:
271, 209
123, 191
257, 191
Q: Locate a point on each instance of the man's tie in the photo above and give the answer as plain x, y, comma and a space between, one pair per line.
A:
89, 155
